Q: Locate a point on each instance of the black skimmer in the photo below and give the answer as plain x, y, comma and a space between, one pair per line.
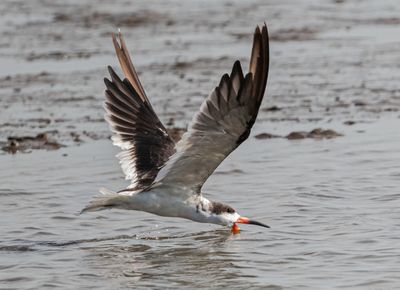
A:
167, 177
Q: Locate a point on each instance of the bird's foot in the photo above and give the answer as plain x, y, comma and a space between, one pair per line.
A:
235, 229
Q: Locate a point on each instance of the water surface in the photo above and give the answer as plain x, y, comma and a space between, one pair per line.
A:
332, 206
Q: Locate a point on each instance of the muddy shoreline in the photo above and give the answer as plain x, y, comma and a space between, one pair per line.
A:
324, 68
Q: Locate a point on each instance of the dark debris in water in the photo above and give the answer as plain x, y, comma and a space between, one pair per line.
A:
349, 123
266, 136
293, 34
25, 144
359, 103
272, 109
60, 55
16, 248
317, 133
127, 19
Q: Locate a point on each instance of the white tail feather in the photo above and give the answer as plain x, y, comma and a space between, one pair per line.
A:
108, 200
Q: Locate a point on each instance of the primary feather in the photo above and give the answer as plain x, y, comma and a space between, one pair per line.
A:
223, 122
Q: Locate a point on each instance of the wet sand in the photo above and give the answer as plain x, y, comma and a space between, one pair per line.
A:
329, 194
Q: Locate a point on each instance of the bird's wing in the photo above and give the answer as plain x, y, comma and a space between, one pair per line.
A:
223, 122
128, 68
144, 141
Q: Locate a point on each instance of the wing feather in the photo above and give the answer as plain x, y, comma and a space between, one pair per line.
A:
223, 122
137, 130
127, 66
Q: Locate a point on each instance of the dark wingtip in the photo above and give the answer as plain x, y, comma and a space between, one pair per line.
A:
111, 71
107, 82
265, 25
114, 77
224, 79
237, 68
237, 64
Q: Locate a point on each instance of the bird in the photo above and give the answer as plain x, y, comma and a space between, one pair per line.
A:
166, 178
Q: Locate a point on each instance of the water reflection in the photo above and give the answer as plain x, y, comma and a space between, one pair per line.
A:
183, 260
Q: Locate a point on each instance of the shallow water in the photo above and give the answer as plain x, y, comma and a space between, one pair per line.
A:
332, 206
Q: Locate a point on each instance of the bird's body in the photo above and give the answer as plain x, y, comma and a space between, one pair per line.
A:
169, 202
167, 177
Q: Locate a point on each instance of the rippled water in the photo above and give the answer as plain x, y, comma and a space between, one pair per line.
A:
333, 208
333, 205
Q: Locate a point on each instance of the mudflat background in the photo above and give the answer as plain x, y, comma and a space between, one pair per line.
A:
331, 195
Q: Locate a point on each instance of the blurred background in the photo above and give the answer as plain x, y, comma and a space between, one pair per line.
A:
321, 166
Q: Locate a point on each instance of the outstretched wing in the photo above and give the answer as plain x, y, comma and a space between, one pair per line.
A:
144, 141
223, 122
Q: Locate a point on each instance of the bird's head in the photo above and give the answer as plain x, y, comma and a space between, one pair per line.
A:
226, 215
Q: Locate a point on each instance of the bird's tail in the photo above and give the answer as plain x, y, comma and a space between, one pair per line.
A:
108, 200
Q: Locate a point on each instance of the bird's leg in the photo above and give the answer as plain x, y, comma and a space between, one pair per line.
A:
235, 229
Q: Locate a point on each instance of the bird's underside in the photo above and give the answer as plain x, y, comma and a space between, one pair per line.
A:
167, 177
